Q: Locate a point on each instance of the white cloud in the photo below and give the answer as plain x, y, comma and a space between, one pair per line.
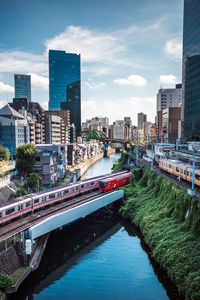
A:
174, 48
39, 81
168, 79
136, 80
22, 62
94, 46
118, 109
95, 86
6, 88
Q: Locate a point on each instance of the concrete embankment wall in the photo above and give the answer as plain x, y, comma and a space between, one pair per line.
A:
82, 168
93, 160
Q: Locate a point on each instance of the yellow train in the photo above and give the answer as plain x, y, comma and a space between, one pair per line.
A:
179, 168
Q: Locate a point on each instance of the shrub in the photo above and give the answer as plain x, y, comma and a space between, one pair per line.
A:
5, 281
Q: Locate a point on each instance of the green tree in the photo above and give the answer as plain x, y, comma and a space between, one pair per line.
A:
4, 153
34, 181
25, 158
5, 281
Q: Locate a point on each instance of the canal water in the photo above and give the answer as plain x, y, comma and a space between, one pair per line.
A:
97, 258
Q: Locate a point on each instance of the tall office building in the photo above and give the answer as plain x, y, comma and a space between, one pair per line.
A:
22, 86
141, 119
191, 69
73, 104
169, 97
65, 84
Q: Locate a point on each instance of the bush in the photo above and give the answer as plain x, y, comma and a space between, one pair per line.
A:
5, 281
169, 220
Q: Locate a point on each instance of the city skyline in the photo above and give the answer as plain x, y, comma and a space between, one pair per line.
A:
128, 51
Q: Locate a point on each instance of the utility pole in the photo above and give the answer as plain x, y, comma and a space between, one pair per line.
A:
136, 155
193, 170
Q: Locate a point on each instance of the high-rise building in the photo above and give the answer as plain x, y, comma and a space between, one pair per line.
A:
141, 119
22, 86
73, 104
191, 69
65, 84
169, 97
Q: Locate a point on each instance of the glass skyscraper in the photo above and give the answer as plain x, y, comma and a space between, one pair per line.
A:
191, 69
22, 86
64, 84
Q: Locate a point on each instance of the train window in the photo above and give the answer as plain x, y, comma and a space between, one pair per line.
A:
36, 201
51, 196
124, 179
82, 186
19, 207
116, 181
102, 184
0, 215
10, 211
28, 204
58, 194
188, 173
77, 188
177, 169
170, 166
65, 192
92, 183
197, 176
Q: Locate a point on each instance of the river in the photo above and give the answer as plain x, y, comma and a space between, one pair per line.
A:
97, 258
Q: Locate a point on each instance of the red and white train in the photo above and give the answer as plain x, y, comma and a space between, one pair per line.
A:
32, 202
114, 182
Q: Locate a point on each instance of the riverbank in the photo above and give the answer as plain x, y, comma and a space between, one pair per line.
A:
78, 171
169, 221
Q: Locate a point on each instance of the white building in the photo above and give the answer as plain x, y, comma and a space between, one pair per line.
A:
169, 98
118, 129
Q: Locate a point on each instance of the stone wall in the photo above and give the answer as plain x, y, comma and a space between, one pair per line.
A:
9, 261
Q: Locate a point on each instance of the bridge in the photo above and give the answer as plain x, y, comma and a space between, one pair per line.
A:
53, 217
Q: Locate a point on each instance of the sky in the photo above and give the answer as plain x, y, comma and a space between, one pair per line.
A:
129, 49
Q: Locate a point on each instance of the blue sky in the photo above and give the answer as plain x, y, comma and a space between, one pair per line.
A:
128, 50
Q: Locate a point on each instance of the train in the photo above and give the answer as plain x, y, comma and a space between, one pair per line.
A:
29, 203
180, 169
114, 182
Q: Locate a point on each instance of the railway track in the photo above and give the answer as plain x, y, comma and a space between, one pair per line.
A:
11, 229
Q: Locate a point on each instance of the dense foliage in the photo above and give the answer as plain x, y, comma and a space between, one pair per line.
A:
4, 153
5, 281
34, 181
25, 158
169, 220
117, 167
20, 192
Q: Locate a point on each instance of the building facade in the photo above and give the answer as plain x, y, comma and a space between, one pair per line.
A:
22, 86
141, 119
65, 123
14, 129
34, 113
170, 121
73, 104
191, 70
53, 129
169, 97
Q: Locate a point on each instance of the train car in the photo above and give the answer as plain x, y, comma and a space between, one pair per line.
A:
180, 169
35, 201
14, 209
111, 183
